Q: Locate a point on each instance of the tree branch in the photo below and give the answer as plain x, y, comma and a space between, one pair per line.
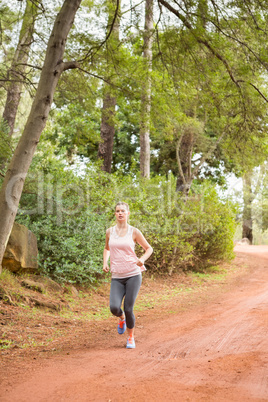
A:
190, 158
107, 36
99, 77
124, 90
200, 40
178, 144
257, 89
207, 155
39, 5
29, 65
69, 65
242, 43
214, 52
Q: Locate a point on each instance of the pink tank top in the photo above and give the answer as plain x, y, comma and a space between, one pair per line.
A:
122, 255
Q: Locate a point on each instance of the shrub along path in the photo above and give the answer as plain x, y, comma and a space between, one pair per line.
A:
211, 345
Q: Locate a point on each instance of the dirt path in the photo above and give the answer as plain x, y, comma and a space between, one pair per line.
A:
217, 351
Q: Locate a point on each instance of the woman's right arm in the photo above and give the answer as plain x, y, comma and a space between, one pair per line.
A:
106, 252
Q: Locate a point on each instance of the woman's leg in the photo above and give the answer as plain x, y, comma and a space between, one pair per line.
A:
117, 292
133, 285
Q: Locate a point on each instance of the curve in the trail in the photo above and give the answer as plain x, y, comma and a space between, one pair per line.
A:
217, 351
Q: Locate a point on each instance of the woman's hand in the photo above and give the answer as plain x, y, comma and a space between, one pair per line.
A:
106, 268
106, 254
140, 262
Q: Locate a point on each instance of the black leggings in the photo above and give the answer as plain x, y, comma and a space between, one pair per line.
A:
128, 287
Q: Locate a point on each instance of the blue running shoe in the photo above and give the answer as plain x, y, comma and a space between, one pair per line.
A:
121, 326
131, 343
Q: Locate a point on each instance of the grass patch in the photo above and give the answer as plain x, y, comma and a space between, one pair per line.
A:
5, 343
211, 274
8, 279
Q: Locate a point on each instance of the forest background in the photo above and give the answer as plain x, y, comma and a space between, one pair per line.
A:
156, 103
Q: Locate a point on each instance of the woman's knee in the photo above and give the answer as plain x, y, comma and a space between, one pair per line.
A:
115, 310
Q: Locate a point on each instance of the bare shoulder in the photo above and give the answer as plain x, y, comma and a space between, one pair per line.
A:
136, 232
107, 239
138, 237
108, 231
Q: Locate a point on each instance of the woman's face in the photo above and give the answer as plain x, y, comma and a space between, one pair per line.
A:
121, 213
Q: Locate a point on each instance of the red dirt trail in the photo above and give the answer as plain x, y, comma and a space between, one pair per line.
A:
216, 351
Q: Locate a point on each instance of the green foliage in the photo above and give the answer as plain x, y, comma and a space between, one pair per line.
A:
69, 232
76, 131
71, 224
216, 220
8, 279
71, 250
198, 232
66, 204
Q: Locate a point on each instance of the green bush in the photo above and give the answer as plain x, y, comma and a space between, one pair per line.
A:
72, 251
71, 229
196, 232
213, 239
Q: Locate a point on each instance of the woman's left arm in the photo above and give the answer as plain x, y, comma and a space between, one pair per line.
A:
140, 239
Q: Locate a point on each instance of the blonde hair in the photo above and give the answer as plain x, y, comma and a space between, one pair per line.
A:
122, 203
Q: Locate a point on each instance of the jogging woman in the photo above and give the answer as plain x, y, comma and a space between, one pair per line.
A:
126, 268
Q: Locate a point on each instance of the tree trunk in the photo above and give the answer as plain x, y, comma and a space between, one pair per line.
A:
105, 151
247, 228
184, 152
17, 170
146, 92
18, 67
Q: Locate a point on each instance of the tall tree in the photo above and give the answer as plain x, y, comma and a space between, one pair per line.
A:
52, 69
105, 151
247, 223
251, 191
16, 74
146, 91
